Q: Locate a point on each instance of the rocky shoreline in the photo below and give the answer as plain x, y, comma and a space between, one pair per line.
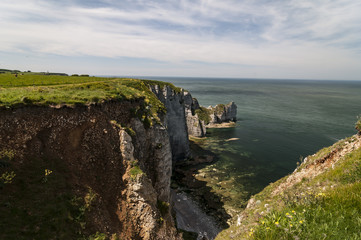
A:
189, 158
189, 179
192, 218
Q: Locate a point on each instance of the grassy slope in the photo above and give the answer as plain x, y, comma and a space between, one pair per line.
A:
327, 206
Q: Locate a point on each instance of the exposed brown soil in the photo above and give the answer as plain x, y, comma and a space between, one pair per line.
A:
83, 146
311, 169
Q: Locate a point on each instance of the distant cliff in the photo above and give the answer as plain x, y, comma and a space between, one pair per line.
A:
200, 118
223, 113
185, 117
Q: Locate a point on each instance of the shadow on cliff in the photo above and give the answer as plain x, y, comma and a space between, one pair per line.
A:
186, 177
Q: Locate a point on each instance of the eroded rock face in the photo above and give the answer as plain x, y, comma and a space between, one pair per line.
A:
223, 113
231, 112
97, 153
145, 190
175, 120
183, 121
196, 127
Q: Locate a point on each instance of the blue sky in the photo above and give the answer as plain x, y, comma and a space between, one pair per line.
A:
316, 39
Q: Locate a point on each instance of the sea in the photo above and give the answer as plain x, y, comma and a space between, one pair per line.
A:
280, 122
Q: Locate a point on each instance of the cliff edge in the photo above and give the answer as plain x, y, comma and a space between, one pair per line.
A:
320, 200
92, 158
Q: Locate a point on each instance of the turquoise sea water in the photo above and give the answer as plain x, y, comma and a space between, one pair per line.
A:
278, 122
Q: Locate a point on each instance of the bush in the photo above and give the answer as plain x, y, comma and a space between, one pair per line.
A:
135, 171
358, 125
203, 114
163, 207
98, 236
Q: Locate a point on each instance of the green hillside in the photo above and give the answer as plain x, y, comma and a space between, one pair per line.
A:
321, 199
26, 89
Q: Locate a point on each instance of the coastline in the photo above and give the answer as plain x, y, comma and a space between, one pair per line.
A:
222, 125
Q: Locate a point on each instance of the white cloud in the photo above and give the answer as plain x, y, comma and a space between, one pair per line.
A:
316, 36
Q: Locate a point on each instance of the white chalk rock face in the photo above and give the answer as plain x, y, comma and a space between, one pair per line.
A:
175, 120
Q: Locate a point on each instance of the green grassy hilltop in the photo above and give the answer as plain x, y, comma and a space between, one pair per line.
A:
33, 89
19, 89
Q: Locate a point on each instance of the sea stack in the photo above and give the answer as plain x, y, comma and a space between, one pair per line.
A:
223, 113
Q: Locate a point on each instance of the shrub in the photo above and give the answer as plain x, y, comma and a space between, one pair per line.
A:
163, 207
7, 177
130, 131
135, 171
98, 236
219, 108
6, 156
203, 114
90, 197
358, 125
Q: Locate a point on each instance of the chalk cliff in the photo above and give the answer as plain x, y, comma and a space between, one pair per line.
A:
175, 119
223, 113
113, 166
185, 117
195, 126
199, 118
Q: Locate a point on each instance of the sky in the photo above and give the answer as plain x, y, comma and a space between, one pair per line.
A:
287, 39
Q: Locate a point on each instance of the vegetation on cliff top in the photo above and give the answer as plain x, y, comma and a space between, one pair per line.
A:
203, 114
162, 84
28, 89
320, 200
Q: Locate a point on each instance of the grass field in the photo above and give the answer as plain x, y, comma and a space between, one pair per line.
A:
24, 89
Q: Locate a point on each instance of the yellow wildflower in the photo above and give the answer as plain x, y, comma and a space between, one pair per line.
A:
301, 221
277, 223
48, 172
